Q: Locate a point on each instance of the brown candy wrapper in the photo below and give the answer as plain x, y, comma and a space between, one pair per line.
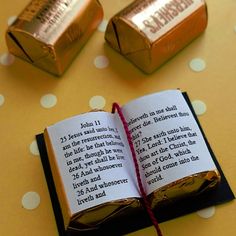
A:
149, 32
49, 33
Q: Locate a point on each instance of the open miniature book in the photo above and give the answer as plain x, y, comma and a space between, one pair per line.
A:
92, 167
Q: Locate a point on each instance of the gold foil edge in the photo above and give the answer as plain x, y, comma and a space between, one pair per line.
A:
192, 185
86, 220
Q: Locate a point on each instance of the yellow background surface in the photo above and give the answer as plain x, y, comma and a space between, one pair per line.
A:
22, 116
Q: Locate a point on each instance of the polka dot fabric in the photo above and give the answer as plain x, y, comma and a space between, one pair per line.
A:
102, 27
48, 100
2, 99
11, 20
97, 102
30, 200
199, 107
101, 62
207, 213
6, 59
31, 99
197, 64
34, 148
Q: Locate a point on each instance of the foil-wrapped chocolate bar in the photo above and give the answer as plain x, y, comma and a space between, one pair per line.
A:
49, 33
92, 218
149, 32
71, 185
187, 187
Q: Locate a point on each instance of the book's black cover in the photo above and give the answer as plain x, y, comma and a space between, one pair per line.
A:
140, 219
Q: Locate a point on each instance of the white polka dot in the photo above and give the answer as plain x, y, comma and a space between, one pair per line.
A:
11, 20
101, 62
7, 59
2, 99
199, 107
97, 102
34, 148
30, 200
197, 64
48, 100
103, 25
207, 212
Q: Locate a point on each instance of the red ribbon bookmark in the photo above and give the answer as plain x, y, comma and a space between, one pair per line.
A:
115, 107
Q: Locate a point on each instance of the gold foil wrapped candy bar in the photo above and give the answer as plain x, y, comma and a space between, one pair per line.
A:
91, 218
49, 33
149, 32
189, 186
72, 185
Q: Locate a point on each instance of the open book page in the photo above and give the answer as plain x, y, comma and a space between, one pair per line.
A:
94, 165
168, 142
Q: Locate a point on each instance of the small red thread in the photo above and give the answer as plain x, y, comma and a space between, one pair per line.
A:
115, 107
